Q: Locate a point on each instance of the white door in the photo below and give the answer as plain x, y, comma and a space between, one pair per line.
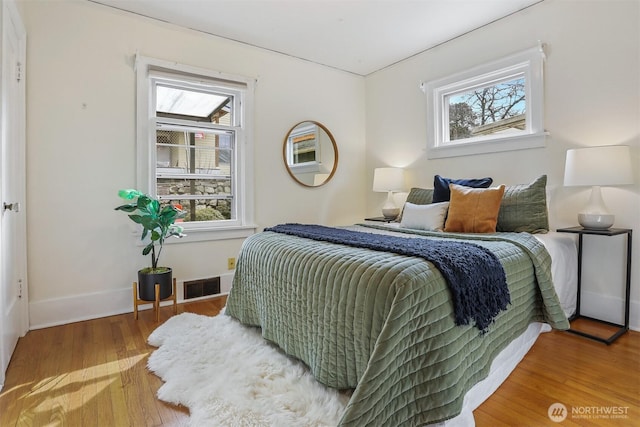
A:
13, 298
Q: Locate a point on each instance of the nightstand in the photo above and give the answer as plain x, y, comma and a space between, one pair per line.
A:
609, 232
380, 219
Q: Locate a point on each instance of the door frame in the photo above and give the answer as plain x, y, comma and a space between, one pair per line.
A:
9, 14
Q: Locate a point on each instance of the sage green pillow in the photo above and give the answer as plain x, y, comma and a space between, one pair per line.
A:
524, 208
420, 196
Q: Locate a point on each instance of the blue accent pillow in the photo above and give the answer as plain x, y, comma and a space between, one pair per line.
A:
441, 192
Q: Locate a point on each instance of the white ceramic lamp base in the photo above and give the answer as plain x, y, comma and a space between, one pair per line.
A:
391, 213
390, 210
596, 216
596, 221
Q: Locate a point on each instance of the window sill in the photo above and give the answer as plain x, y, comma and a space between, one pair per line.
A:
305, 167
208, 234
511, 143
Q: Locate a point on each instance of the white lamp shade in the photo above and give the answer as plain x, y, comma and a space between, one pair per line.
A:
598, 166
388, 179
603, 166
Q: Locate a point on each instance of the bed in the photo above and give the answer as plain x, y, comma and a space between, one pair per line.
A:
385, 325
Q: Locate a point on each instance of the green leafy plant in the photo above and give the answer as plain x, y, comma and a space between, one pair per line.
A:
157, 222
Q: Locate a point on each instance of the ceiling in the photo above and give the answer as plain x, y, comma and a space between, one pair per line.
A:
357, 36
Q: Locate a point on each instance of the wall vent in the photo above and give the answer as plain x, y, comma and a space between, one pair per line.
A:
201, 287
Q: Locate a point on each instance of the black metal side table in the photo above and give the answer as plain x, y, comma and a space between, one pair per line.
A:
380, 219
609, 232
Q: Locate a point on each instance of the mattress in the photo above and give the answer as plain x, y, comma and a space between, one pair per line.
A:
564, 267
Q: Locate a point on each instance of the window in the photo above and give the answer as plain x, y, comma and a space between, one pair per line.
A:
303, 149
194, 146
493, 107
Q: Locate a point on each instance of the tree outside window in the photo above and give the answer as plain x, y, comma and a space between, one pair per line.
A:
487, 110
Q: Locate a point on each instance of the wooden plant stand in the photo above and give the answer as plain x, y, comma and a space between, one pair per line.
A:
156, 303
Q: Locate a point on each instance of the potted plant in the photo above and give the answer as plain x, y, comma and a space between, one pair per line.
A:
158, 224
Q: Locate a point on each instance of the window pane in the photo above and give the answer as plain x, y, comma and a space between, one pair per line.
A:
203, 152
496, 109
194, 169
203, 209
207, 188
191, 104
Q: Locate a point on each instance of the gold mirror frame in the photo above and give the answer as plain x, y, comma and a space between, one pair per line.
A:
314, 162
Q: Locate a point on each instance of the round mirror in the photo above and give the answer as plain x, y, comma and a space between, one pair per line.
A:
310, 154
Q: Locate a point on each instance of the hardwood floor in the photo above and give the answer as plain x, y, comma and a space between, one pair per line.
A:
91, 373
94, 373
589, 378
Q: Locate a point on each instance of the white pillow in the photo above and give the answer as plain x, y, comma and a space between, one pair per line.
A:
424, 217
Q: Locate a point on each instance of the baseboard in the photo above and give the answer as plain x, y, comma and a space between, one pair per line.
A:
77, 308
60, 311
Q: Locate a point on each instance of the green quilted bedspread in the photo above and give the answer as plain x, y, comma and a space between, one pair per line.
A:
382, 323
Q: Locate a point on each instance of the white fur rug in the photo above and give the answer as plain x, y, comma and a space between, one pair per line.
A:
228, 375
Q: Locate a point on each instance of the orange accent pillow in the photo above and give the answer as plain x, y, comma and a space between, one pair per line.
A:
473, 210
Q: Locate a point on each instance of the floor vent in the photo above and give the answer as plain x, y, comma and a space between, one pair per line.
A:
202, 287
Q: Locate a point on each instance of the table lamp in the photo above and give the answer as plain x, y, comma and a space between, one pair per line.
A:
596, 167
389, 180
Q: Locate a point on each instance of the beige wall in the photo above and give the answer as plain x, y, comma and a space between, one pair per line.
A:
81, 150
592, 98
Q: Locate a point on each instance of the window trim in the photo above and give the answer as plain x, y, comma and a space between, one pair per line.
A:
147, 69
530, 64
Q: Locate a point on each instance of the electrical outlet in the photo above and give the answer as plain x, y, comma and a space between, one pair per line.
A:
231, 263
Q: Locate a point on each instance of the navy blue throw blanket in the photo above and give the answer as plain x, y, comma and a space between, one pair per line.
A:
474, 274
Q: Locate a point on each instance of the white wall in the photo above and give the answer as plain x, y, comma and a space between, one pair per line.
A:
81, 137
592, 98
81, 150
